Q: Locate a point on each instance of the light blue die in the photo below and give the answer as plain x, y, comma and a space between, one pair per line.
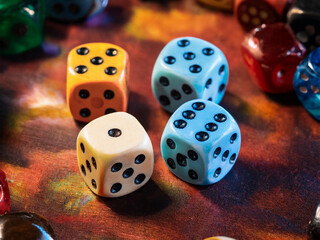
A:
200, 142
189, 68
74, 10
306, 83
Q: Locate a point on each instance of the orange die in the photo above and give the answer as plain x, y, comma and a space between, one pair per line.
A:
97, 80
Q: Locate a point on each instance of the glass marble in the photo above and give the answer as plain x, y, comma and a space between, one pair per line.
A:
25, 225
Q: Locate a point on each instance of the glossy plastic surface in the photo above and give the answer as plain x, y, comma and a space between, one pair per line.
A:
20, 226
189, 68
306, 83
97, 77
21, 26
272, 54
115, 155
200, 142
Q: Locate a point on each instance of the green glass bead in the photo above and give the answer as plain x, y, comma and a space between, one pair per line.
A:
21, 25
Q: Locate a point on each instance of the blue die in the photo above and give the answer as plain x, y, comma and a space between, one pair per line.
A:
189, 68
200, 142
306, 83
74, 10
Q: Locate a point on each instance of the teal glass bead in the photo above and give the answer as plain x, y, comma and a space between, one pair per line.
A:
21, 25
189, 68
306, 83
200, 142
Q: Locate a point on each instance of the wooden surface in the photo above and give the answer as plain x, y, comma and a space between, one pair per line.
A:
270, 193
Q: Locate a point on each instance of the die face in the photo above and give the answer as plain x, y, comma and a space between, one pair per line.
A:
306, 27
97, 80
185, 160
25, 225
172, 91
21, 26
4, 194
219, 4
271, 65
203, 129
304, 19
69, 10
123, 177
122, 153
90, 164
183, 69
306, 83
252, 13
254, 68
89, 101
314, 225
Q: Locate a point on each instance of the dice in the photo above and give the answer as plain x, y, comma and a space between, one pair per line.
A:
97, 80
314, 225
74, 10
200, 142
253, 13
226, 5
5, 194
189, 68
25, 225
115, 155
306, 83
272, 54
21, 24
304, 19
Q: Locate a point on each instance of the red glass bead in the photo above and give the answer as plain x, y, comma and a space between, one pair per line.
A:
272, 55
